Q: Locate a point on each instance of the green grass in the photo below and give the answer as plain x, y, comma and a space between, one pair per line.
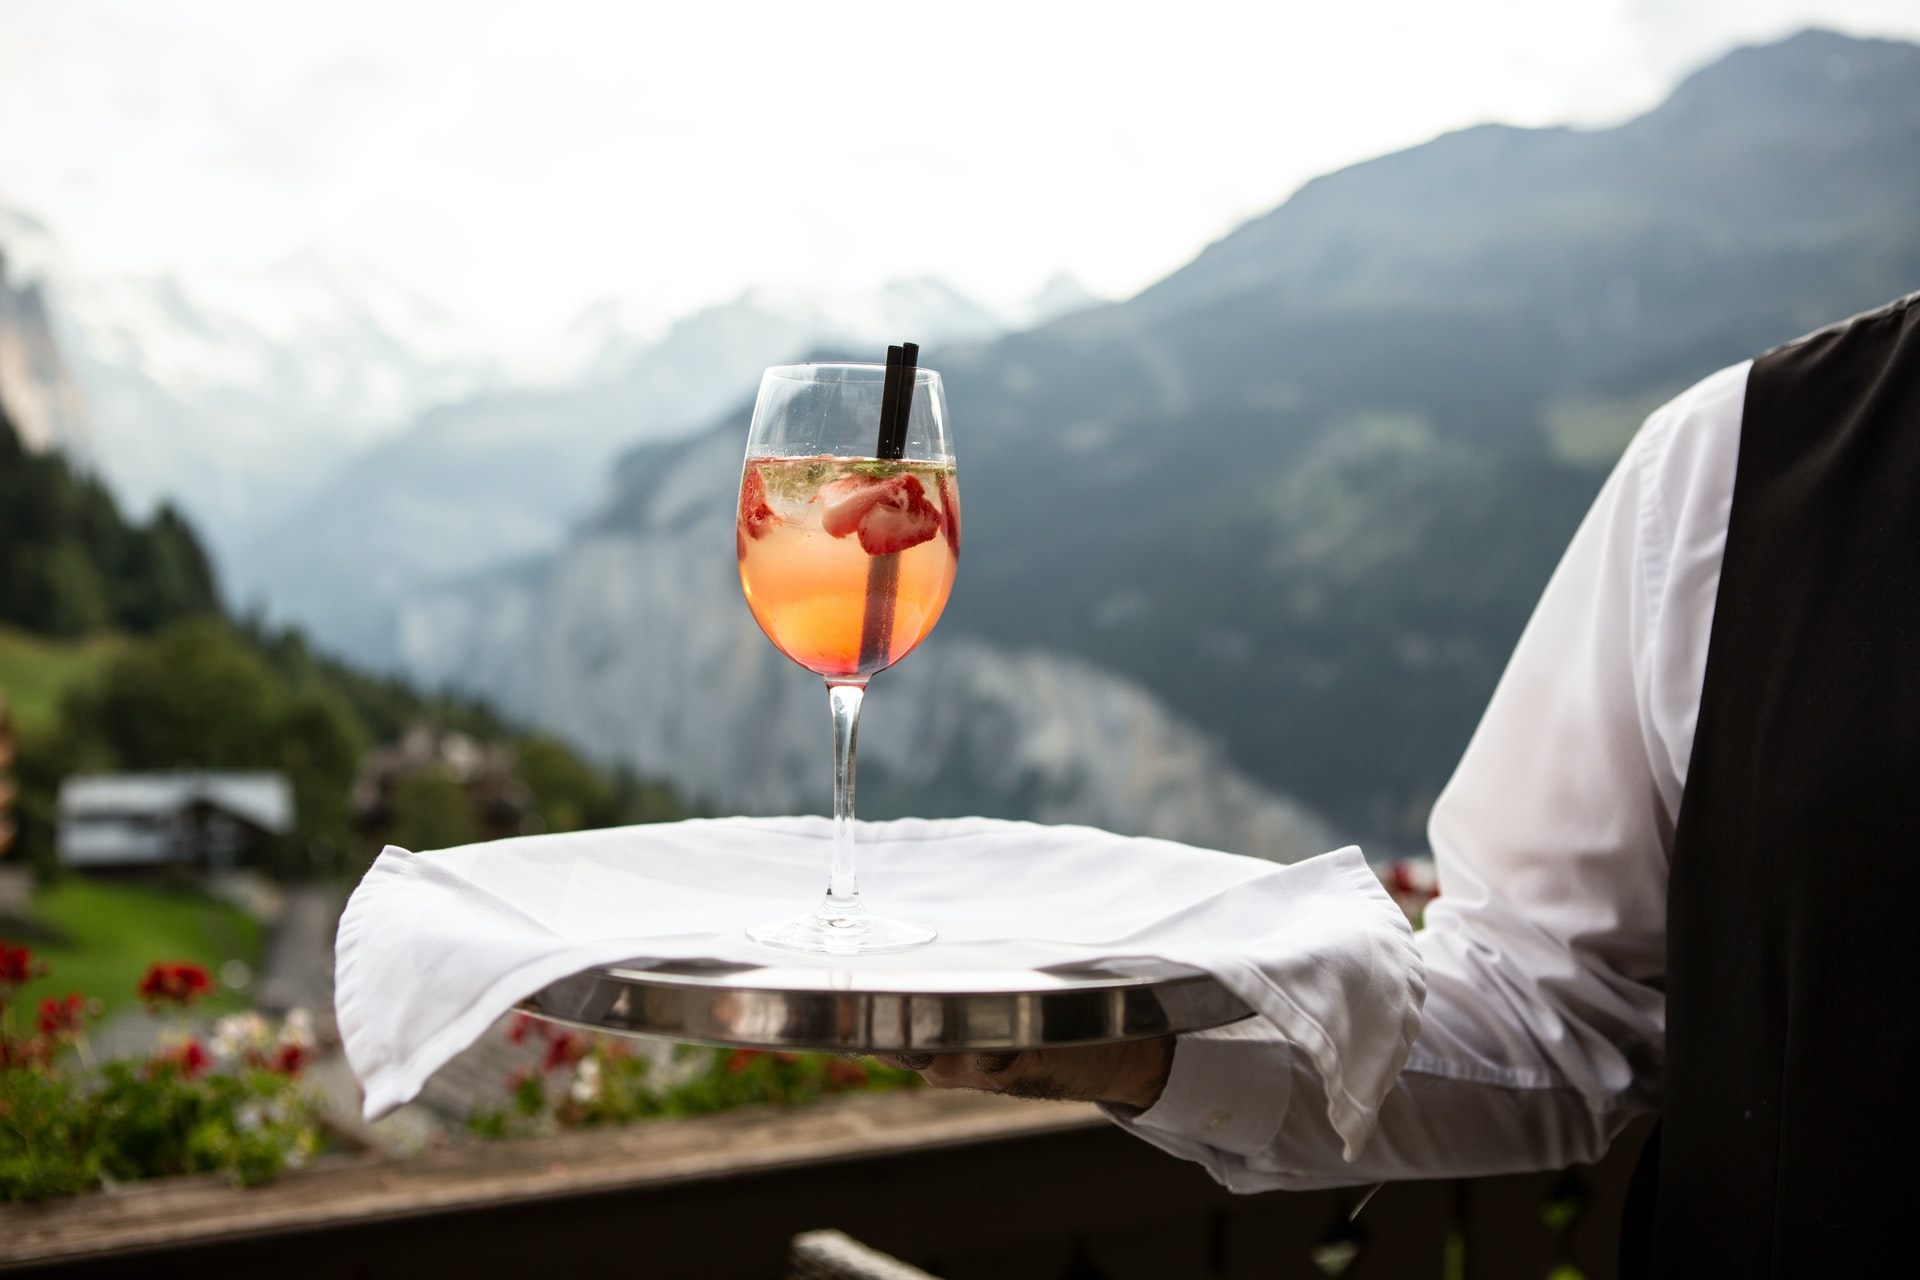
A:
36, 672
114, 931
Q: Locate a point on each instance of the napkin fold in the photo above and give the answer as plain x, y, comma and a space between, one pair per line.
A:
433, 947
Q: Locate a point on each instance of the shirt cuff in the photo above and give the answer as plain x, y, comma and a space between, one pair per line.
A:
1228, 1089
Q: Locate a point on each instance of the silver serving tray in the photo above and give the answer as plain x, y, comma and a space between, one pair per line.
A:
709, 1002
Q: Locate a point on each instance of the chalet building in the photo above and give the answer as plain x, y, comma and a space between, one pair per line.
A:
187, 821
494, 796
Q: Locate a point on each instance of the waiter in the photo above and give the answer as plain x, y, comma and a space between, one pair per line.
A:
1673, 861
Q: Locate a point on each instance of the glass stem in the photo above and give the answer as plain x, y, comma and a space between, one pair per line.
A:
843, 698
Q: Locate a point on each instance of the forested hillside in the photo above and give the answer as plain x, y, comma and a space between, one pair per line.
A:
125, 619
1306, 489
70, 563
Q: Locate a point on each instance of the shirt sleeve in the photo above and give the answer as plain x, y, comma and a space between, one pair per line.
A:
1543, 1029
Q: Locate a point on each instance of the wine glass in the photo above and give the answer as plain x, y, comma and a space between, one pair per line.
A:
848, 537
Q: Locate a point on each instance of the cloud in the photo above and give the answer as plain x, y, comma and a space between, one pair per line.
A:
518, 162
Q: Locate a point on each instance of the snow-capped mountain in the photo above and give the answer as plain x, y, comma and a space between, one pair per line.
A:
608, 338
506, 474
340, 440
328, 335
231, 392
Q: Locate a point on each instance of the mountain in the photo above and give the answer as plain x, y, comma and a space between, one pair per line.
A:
1062, 295
341, 440
507, 474
1304, 490
226, 395
71, 564
1307, 488
635, 644
35, 384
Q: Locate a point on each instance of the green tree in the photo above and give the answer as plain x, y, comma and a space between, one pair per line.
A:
320, 743
204, 693
651, 800
163, 574
199, 695
62, 591
70, 563
568, 793
433, 811
196, 697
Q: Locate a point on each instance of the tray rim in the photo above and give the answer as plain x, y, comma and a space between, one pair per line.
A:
732, 1008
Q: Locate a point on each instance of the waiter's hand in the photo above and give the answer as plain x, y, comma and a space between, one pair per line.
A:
1131, 1073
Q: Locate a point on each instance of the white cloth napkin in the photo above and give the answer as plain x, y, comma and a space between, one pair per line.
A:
434, 947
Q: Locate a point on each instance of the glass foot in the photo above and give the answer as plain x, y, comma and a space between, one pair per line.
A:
837, 929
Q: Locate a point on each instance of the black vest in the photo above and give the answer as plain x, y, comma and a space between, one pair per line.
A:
1790, 1142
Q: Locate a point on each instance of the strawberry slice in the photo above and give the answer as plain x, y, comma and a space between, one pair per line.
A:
950, 511
890, 514
891, 527
844, 501
756, 514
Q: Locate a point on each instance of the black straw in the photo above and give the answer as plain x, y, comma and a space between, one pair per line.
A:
896, 401
883, 572
889, 403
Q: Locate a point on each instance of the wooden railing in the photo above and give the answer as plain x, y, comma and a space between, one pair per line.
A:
966, 1186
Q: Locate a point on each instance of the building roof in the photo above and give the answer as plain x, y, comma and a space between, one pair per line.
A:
261, 797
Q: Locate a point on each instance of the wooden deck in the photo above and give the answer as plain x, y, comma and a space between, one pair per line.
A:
154, 1218
967, 1186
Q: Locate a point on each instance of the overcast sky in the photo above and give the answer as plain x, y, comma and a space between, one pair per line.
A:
520, 162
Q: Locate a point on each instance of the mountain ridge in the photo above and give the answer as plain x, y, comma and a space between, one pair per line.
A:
1384, 377
505, 475
1305, 490
48, 410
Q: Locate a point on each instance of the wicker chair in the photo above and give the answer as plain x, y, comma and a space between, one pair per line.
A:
834, 1255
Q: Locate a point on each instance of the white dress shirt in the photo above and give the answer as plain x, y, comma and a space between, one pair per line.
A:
1545, 1016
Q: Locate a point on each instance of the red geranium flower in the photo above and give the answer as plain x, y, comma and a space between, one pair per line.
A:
846, 1074
740, 1058
62, 1018
564, 1050
288, 1060
17, 965
179, 984
189, 1059
37, 1052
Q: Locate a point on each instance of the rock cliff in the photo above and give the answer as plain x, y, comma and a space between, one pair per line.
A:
634, 642
40, 394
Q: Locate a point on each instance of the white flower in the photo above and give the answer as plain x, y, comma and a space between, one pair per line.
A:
237, 1034
297, 1030
586, 1082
